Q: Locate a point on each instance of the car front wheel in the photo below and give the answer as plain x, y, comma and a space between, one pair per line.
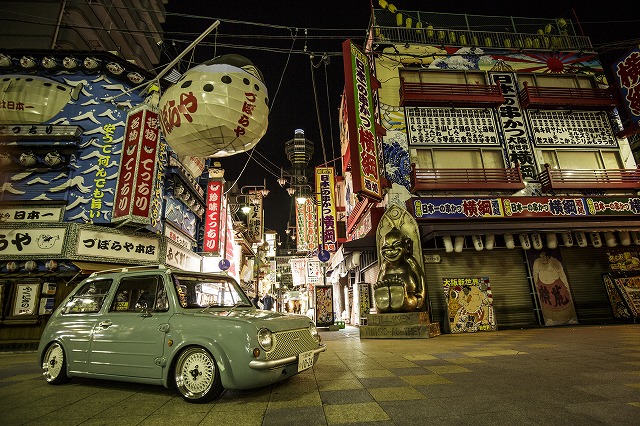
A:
196, 376
54, 365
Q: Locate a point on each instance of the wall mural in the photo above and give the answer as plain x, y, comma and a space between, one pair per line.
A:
395, 144
88, 182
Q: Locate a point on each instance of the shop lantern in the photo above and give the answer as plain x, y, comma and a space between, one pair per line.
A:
217, 109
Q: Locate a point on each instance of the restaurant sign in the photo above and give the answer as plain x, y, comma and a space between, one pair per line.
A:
523, 207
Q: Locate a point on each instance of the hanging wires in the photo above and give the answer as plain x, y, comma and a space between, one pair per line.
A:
315, 96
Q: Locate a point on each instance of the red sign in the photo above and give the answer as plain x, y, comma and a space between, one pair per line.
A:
136, 176
213, 217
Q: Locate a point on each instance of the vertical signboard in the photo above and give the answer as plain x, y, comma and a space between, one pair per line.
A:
361, 122
306, 226
136, 177
627, 71
325, 186
513, 125
255, 225
213, 217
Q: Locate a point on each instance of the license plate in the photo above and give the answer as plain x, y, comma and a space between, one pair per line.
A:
305, 360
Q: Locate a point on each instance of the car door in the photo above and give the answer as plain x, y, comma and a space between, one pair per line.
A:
77, 320
129, 338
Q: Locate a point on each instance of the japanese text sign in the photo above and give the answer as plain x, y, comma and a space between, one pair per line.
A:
136, 177
363, 143
627, 70
213, 217
325, 187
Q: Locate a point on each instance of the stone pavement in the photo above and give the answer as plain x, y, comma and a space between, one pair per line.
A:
579, 375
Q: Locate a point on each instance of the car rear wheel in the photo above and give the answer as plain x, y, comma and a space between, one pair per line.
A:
54, 365
196, 376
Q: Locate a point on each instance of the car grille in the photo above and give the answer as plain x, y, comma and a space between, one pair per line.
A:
292, 342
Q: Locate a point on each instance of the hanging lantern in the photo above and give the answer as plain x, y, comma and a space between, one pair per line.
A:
12, 266
217, 109
525, 241
51, 265
30, 265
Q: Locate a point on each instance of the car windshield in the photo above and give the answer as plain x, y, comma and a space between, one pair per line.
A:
203, 291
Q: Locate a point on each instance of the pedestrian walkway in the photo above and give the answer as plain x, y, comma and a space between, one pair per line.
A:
581, 375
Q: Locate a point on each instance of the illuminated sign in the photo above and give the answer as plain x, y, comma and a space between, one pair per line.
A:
627, 71
213, 217
363, 144
325, 187
136, 178
523, 207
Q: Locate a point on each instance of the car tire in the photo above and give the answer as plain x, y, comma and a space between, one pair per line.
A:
54, 365
196, 375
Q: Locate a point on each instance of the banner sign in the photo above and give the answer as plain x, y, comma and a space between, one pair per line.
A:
213, 217
513, 125
255, 224
363, 144
307, 233
181, 257
44, 242
325, 186
439, 126
523, 207
30, 214
136, 176
103, 244
627, 71
577, 128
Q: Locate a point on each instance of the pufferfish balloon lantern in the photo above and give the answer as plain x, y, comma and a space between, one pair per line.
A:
217, 109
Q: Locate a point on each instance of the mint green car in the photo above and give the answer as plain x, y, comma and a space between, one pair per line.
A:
197, 332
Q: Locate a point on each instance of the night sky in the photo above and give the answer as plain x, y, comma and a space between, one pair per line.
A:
280, 37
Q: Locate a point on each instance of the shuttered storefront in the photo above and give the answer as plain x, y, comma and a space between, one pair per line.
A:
507, 272
584, 267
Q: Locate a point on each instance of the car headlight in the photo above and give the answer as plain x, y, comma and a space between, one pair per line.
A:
265, 339
314, 331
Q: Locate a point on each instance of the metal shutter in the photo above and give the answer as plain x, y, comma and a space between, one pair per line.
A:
507, 272
584, 267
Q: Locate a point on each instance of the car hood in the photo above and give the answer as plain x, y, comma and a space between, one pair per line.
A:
274, 321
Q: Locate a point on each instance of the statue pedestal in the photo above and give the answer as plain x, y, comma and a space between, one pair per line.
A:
407, 325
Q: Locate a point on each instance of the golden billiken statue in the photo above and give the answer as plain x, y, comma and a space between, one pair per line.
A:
400, 286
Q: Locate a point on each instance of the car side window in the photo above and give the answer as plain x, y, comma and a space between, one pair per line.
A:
89, 297
139, 294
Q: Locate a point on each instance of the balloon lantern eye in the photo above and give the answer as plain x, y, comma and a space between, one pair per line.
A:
186, 84
226, 79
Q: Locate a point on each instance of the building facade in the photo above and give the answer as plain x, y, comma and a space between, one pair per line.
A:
504, 146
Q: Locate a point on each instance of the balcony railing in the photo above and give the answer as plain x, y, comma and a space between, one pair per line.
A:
439, 94
385, 35
462, 179
566, 97
552, 179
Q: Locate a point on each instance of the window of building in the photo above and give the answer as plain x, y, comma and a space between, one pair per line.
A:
585, 160
437, 158
558, 80
412, 75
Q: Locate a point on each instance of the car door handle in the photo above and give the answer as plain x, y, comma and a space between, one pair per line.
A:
105, 324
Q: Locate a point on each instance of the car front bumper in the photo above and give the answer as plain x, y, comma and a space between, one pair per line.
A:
274, 363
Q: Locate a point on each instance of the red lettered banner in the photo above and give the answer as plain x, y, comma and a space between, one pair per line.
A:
147, 160
212, 222
127, 173
138, 164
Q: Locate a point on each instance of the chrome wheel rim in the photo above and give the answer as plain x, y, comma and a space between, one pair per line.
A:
195, 373
53, 361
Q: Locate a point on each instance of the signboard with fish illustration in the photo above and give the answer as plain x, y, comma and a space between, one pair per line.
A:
84, 171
